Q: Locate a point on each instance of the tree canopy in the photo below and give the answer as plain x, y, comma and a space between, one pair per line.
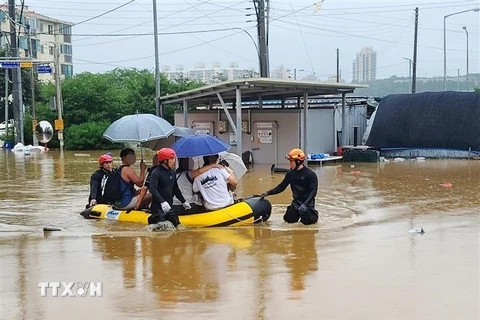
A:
91, 102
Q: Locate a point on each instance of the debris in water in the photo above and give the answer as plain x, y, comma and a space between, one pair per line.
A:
446, 184
48, 229
417, 230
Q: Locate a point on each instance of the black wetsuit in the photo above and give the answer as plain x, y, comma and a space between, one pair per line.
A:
163, 186
304, 185
97, 182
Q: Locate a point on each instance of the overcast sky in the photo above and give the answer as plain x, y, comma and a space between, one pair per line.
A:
299, 37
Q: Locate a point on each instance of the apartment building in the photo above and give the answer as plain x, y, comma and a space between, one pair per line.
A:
215, 73
365, 65
40, 34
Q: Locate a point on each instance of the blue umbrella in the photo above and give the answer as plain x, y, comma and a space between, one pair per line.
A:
199, 145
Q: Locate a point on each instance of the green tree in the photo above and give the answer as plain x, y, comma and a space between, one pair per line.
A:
91, 102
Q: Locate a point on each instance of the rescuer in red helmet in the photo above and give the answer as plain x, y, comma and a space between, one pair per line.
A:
304, 184
163, 186
98, 179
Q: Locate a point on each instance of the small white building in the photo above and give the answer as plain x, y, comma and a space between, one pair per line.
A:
268, 117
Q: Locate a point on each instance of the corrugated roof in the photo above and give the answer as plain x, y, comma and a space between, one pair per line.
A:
253, 88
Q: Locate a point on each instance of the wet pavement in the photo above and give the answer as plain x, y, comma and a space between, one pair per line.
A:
360, 261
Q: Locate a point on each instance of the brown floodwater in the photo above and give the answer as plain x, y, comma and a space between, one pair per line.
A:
359, 262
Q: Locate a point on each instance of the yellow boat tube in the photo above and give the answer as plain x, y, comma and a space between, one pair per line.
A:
246, 212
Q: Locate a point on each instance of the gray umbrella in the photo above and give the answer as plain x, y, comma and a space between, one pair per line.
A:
138, 128
157, 144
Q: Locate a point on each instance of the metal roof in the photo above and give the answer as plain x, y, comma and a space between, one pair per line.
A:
253, 88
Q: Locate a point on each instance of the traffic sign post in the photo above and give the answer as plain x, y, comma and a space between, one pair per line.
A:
10, 64
26, 64
44, 69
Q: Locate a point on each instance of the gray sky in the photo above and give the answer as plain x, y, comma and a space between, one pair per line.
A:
299, 37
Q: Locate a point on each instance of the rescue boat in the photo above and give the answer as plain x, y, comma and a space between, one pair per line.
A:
245, 212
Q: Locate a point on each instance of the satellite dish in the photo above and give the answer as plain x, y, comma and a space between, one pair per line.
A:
44, 131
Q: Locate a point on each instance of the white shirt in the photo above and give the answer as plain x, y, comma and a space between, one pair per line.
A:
212, 185
186, 188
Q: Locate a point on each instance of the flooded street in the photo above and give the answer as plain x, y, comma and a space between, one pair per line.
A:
359, 262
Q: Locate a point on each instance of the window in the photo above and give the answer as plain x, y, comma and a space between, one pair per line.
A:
23, 43
50, 50
68, 59
42, 49
66, 49
41, 26
3, 17
50, 29
67, 70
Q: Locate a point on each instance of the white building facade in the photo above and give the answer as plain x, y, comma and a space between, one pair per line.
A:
208, 75
40, 35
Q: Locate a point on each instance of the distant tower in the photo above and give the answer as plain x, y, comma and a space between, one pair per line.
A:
365, 66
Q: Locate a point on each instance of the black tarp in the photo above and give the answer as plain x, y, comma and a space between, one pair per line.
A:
438, 120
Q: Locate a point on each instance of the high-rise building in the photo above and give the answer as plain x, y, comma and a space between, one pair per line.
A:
40, 34
365, 65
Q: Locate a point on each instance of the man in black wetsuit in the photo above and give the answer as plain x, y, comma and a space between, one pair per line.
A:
163, 186
304, 184
98, 179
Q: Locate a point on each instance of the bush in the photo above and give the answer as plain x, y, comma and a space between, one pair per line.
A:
88, 136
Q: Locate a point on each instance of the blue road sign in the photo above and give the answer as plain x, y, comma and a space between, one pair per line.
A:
9, 65
44, 69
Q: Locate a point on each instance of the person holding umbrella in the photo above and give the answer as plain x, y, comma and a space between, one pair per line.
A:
304, 184
163, 186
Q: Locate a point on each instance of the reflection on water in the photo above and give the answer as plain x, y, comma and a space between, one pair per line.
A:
357, 262
193, 266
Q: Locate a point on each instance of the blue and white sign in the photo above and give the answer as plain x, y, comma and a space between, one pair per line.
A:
10, 64
112, 214
44, 69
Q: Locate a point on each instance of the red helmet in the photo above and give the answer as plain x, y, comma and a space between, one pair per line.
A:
165, 154
105, 158
295, 154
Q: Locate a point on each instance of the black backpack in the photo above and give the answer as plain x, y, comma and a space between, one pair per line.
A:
112, 191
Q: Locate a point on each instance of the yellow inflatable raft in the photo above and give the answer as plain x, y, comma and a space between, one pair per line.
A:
245, 212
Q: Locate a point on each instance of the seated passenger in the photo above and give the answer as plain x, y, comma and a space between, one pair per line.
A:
98, 179
130, 179
185, 178
144, 189
213, 185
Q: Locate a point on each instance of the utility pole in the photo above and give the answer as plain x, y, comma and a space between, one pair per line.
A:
465, 28
6, 101
262, 40
414, 76
59, 100
158, 107
16, 78
338, 66
32, 88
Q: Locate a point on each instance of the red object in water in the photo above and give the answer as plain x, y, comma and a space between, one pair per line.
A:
355, 172
446, 184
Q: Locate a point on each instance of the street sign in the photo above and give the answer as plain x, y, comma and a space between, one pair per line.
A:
26, 64
44, 69
10, 65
